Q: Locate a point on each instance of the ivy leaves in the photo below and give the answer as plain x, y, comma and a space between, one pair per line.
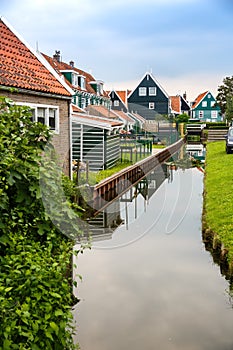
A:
35, 258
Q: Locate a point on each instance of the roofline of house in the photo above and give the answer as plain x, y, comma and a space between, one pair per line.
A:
152, 77
33, 92
118, 97
38, 56
78, 117
201, 99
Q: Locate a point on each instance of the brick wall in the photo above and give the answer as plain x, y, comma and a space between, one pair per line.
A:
61, 140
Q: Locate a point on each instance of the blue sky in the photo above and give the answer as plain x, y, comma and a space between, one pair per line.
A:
187, 44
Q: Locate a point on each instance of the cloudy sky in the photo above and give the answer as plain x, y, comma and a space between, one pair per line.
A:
187, 44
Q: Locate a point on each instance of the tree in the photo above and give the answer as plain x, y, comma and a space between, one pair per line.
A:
229, 108
182, 118
224, 90
35, 275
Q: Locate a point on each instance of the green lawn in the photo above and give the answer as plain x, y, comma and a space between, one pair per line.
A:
218, 199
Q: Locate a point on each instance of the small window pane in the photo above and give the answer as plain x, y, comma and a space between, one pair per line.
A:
52, 118
41, 115
142, 91
204, 103
152, 91
33, 116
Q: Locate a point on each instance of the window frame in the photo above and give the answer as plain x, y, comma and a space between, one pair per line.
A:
152, 93
201, 114
214, 114
34, 107
142, 91
204, 104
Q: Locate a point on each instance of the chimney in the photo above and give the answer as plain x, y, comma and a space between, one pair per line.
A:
185, 96
72, 64
57, 56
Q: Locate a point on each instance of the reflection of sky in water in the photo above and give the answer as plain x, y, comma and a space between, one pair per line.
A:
160, 292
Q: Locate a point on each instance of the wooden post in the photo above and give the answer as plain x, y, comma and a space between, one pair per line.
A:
87, 171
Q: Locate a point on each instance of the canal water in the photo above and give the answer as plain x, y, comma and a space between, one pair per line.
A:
148, 282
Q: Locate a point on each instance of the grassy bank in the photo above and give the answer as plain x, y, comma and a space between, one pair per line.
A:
218, 198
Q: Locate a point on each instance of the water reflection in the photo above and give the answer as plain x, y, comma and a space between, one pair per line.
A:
128, 207
160, 291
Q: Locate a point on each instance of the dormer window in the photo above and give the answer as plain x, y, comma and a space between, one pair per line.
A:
98, 86
82, 82
75, 79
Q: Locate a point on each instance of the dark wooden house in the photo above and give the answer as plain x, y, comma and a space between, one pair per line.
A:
149, 98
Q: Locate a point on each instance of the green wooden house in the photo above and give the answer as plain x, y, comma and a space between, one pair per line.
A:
205, 109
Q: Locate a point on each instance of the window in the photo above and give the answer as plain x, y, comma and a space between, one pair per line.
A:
52, 118
204, 104
214, 114
151, 105
212, 103
209, 95
41, 115
82, 82
116, 103
75, 79
142, 91
101, 89
44, 114
152, 91
201, 114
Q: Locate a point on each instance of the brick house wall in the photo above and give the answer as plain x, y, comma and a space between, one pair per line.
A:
60, 141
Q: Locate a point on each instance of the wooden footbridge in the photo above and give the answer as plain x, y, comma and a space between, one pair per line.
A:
114, 186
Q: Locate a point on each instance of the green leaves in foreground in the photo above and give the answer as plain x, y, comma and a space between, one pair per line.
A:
35, 258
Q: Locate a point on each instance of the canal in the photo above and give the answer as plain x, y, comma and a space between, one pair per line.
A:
148, 282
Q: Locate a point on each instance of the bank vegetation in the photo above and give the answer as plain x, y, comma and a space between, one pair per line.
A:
218, 200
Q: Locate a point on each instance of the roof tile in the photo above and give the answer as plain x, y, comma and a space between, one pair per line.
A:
20, 68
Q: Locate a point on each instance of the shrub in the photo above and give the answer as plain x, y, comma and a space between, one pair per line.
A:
35, 274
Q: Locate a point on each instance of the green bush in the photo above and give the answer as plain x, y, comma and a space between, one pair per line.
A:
35, 258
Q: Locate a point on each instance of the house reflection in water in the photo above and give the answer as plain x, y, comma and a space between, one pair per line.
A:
102, 226
197, 151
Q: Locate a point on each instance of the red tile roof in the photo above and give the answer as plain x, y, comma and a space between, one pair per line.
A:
175, 104
61, 66
138, 117
123, 96
198, 99
101, 111
124, 116
21, 68
77, 109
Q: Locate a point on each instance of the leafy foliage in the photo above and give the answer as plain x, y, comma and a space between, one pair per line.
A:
35, 258
182, 118
229, 108
224, 90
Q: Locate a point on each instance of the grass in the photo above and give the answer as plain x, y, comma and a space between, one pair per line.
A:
158, 146
218, 199
95, 178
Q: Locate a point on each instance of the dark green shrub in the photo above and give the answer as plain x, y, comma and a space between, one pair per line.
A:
35, 257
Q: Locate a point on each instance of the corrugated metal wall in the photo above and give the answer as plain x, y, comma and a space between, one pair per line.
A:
94, 145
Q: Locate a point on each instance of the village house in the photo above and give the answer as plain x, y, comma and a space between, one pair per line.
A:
205, 108
94, 128
119, 104
179, 105
149, 99
36, 85
86, 89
